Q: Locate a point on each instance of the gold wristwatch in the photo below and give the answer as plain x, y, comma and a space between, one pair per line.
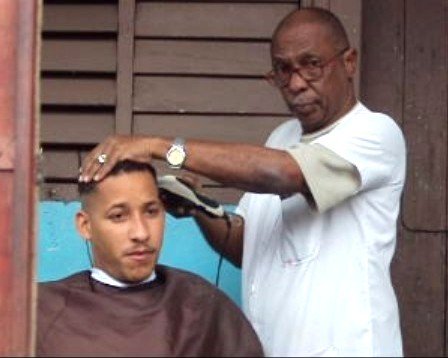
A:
176, 155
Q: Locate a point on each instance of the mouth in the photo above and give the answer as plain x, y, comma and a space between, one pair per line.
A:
305, 107
140, 254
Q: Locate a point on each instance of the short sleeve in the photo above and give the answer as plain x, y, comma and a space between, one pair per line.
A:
330, 178
374, 144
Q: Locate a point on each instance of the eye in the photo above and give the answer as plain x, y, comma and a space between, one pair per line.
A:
312, 63
153, 210
117, 216
281, 68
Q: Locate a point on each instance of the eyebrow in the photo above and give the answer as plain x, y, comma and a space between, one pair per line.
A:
151, 202
299, 58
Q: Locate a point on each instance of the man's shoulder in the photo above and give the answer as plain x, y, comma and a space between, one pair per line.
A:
374, 118
285, 134
179, 276
53, 295
49, 287
195, 286
364, 123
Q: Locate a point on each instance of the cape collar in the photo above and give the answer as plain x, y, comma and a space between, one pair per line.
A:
103, 277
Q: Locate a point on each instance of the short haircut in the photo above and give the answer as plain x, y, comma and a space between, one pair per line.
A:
320, 16
124, 166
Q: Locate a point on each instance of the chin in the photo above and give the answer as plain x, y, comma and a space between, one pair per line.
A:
136, 276
310, 125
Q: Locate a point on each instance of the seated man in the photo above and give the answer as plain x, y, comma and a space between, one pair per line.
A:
127, 304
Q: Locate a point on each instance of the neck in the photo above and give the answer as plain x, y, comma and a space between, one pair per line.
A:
349, 102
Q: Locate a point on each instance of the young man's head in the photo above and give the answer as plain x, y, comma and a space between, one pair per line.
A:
123, 218
313, 66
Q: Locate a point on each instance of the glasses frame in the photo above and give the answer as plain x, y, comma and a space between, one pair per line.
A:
273, 78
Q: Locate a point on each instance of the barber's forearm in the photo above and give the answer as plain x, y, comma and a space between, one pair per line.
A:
246, 167
224, 237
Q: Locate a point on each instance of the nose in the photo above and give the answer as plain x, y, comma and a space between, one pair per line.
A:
297, 83
139, 230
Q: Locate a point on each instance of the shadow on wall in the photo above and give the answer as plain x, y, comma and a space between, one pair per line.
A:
61, 251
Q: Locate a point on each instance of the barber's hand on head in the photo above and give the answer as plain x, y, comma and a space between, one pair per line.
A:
112, 150
177, 206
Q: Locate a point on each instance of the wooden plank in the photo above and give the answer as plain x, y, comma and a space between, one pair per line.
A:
7, 94
8, 34
80, 18
90, 55
76, 128
425, 114
123, 114
202, 57
218, 20
78, 91
6, 269
61, 164
7, 151
317, 3
223, 95
24, 212
18, 24
59, 192
243, 129
419, 276
382, 64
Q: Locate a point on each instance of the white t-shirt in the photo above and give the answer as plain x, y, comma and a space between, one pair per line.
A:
318, 283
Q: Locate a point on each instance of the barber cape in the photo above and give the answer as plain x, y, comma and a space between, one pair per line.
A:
177, 314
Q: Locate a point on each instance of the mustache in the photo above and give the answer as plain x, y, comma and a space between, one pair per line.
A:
140, 249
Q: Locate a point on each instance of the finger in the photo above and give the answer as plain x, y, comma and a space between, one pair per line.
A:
87, 160
91, 164
112, 158
117, 152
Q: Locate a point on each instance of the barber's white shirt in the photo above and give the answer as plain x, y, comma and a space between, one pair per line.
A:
318, 284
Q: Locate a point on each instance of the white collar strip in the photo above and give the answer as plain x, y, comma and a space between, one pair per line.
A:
103, 277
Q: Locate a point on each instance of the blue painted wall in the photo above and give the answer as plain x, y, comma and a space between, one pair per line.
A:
61, 251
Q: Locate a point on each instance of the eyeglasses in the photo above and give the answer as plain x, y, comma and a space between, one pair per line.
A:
310, 71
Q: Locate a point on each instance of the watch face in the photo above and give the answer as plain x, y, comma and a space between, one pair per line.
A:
176, 157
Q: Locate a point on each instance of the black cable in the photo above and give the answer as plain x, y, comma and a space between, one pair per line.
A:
89, 254
226, 241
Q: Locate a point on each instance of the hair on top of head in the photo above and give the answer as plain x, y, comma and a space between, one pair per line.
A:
316, 15
124, 166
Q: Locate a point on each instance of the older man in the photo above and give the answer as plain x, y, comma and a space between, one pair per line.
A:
318, 229
127, 305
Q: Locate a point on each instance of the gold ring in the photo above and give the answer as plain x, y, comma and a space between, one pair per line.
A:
102, 158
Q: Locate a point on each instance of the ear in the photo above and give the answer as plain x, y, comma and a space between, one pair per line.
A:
351, 61
83, 224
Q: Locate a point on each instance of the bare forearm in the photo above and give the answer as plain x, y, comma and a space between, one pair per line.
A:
246, 167
225, 235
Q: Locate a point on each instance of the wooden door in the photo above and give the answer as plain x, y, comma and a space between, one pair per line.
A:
18, 31
404, 73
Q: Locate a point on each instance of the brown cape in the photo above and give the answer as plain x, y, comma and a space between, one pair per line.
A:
178, 314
